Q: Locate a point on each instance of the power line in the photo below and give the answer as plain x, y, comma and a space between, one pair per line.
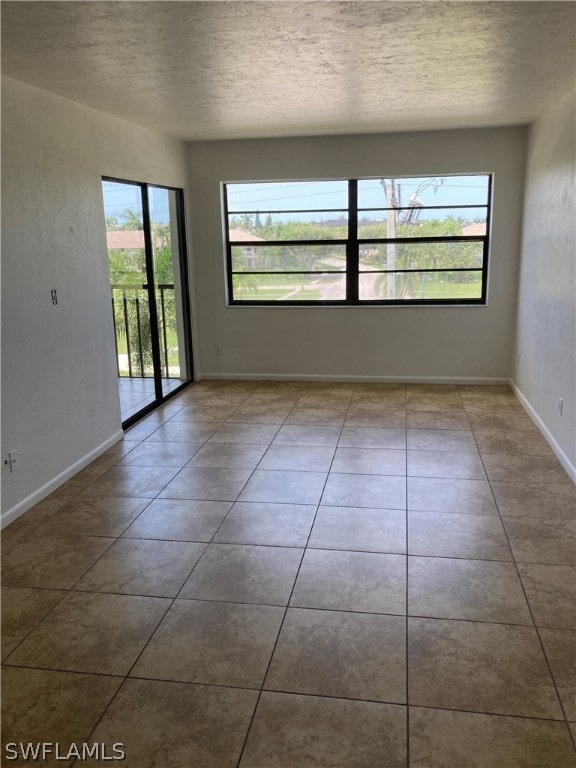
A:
324, 194
286, 185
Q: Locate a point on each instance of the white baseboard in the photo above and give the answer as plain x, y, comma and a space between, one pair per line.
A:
560, 455
23, 506
352, 378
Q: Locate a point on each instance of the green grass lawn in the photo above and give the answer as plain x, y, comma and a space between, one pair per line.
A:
451, 290
277, 295
172, 340
431, 290
263, 293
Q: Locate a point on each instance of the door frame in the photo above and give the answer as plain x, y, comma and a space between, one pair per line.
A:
160, 397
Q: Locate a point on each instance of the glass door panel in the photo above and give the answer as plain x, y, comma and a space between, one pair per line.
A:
169, 286
125, 240
146, 257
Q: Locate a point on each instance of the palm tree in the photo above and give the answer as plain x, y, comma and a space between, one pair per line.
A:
246, 222
132, 220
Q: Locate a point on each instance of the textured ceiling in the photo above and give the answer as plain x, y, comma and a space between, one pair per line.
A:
201, 70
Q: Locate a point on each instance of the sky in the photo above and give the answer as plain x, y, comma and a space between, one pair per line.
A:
333, 195
120, 197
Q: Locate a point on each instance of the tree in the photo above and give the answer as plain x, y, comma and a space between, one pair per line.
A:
127, 268
132, 220
445, 257
162, 246
246, 222
421, 256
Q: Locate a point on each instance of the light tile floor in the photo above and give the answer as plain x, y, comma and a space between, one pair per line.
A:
136, 393
303, 575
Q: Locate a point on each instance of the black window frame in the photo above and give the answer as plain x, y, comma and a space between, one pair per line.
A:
353, 244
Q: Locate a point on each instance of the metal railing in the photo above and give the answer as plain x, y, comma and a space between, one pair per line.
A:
132, 327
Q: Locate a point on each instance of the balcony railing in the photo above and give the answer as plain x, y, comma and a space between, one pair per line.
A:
132, 328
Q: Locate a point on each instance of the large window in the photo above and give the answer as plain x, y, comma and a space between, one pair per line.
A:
409, 240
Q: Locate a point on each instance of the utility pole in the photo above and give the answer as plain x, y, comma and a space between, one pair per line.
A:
391, 204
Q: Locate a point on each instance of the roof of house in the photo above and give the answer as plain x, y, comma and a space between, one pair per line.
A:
124, 239
475, 229
240, 236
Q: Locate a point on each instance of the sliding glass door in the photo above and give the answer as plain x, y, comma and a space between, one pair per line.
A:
149, 292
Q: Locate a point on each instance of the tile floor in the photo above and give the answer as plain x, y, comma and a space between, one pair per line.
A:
136, 393
303, 575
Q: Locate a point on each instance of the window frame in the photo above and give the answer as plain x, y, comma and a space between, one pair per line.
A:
353, 244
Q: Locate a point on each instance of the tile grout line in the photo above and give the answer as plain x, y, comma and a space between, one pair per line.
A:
300, 607
5, 662
71, 589
245, 742
211, 541
153, 632
536, 629
407, 597
173, 600
559, 721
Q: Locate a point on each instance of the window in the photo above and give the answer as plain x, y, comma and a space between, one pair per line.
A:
409, 240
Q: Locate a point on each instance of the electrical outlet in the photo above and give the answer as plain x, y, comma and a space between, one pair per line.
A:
13, 461
560, 405
518, 360
217, 349
54, 296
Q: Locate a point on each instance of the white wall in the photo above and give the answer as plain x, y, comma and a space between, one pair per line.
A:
400, 343
547, 295
59, 386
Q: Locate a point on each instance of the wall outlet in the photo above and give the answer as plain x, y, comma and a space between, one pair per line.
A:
217, 349
560, 405
518, 360
13, 461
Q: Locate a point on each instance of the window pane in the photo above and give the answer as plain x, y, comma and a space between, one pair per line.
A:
128, 278
280, 230
287, 196
430, 190
408, 286
423, 222
122, 207
170, 297
461, 255
296, 225
296, 287
288, 258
